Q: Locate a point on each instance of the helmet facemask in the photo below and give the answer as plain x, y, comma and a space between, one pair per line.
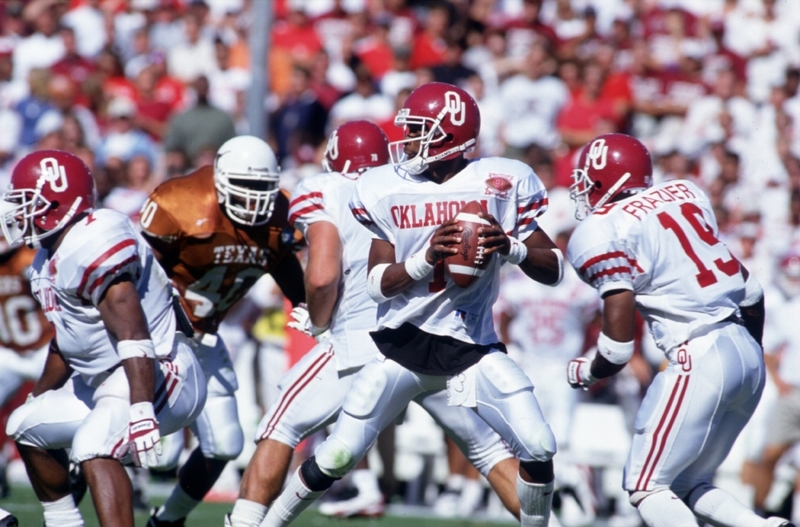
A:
431, 135
18, 223
248, 197
582, 186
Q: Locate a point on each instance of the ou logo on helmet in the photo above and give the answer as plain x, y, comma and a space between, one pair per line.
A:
333, 145
456, 107
54, 174
597, 155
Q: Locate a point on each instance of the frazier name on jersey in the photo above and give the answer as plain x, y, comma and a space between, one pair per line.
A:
652, 199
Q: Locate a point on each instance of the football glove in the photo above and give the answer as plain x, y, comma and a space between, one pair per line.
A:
579, 373
143, 441
301, 321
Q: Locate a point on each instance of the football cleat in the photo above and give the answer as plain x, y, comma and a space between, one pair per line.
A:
774, 521
361, 506
9, 520
155, 522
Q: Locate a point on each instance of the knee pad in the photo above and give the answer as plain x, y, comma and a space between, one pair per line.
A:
218, 429
363, 395
502, 376
542, 444
335, 458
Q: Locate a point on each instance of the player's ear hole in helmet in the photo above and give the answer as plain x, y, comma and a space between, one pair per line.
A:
247, 177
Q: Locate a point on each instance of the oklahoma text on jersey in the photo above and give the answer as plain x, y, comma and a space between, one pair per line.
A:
407, 217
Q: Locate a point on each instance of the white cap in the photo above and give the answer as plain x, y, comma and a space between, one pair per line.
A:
121, 107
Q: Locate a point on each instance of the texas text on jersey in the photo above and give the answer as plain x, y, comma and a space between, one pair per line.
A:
212, 261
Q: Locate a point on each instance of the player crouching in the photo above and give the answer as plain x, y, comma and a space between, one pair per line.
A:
118, 374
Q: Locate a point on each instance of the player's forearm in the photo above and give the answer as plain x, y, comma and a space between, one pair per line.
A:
321, 302
602, 368
141, 374
543, 265
393, 280
56, 372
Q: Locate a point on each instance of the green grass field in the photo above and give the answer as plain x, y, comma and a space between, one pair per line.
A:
26, 508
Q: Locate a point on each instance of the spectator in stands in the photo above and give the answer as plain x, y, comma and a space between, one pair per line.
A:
123, 139
34, 105
452, 70
152, 113
89, 27
74, 66
199, 128
299, 121
430, 43
194, 57
45, 46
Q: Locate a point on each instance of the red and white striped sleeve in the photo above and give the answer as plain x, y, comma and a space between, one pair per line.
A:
531, 203
307, 205
605, 264
106, 258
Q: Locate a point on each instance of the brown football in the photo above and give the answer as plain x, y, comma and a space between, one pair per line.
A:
469, 263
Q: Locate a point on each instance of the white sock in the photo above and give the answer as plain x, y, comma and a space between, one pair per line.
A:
178, 505
534, 502
4, 514
718, 507
62, 513
455, 482
665, 509
294, 499
247, 513
366, 482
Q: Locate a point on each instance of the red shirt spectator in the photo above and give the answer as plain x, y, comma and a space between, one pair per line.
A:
430, 44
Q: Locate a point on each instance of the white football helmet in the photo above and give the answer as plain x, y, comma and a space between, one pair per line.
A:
246, 175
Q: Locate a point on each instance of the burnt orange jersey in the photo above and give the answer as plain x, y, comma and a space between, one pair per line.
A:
23, 326
211, 260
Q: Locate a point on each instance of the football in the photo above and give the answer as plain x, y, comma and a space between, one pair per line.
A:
469, 263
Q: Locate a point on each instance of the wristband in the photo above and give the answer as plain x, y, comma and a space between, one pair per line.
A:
374, 283
140, 411
136, 349
417, 266
753, 292
613, 351
517, 253
560, 258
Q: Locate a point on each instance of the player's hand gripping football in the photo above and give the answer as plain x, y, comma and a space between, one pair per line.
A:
445, 240
143, 441
493, 238
579, 373
301, 321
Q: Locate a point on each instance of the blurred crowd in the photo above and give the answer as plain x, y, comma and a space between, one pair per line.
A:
144, 90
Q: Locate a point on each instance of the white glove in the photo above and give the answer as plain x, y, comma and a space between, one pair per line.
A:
579, 373
143, 442
301, 321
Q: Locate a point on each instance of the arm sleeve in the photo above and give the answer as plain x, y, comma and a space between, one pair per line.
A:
531, 203
117, 255
603, 264
307, 205
363, 212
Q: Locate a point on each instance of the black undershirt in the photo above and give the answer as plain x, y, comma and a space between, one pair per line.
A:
429, 354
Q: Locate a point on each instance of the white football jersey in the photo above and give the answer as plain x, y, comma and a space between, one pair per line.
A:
406, 210
70, 282
325, 197
662, 244
548, 323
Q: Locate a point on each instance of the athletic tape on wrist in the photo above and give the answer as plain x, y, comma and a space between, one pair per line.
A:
144, 410
417, 266
560, 257
517, 253
136, 349
374, 283
753, 292
585, 372
613, 351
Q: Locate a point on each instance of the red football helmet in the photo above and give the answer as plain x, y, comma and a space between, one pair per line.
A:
448, 120
608, 165
355, 147
48, 188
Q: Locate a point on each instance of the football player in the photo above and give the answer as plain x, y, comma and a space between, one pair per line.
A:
782, 353
118, 373
312, 393
216, 232
24, 331
432, 335
655, 249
